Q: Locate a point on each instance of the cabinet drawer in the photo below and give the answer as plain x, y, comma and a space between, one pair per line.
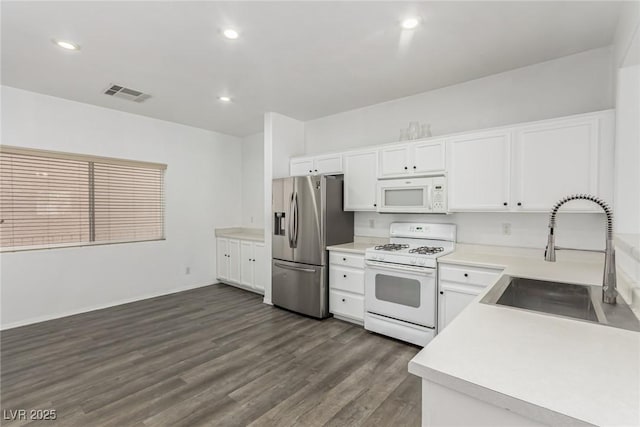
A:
470, 275
346, 279
345, 304
348, 260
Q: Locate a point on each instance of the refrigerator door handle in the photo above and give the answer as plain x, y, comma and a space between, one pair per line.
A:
295, 221
288, 267
290, 223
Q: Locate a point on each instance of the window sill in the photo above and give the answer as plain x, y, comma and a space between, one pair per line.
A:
73, 245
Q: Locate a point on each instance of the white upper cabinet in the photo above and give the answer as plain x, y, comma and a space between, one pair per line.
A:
422, 158
330, 164
427, 157
525, 167
360, 180
394, 161
319, 165
301, 166
555, 159
478, 167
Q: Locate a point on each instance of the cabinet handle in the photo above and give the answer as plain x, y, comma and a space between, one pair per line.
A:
441, 292
344, 275
375, 204
316, 170
310, 171
414, 167
519, 203
466, 274
343, 300
505, 203
344, 259
405, 168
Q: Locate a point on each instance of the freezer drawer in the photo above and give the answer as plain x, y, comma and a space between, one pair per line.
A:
301, 288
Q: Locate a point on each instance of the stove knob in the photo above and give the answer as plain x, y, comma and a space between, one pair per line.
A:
381, 258
413, 261
423, 262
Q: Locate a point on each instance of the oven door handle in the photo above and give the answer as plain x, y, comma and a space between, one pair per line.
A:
405, 268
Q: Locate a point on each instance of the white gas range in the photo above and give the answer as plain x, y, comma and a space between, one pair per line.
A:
401, 281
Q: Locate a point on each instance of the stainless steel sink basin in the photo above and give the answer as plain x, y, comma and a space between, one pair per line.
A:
583, 302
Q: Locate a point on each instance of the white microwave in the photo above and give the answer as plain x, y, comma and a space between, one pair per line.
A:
412, 195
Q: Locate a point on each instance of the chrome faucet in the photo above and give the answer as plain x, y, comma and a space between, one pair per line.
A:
609, 291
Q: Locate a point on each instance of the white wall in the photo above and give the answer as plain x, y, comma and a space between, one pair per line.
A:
283, 138
202, 192
626, 44
526, 229
627, 151
253, 181
570, 85
565, 86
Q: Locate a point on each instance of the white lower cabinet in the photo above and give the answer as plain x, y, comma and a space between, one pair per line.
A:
346, 286
241, 263
458, 286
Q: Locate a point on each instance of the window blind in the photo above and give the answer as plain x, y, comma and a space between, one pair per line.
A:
50, 199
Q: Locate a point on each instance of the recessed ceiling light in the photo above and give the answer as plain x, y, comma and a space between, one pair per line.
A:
224, 98
410, 23
230, 33
66, 44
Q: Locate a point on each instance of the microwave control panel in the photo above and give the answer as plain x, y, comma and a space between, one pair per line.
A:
439, 195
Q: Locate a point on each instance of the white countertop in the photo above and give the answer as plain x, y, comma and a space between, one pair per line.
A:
359, 244
353, 247
547, 368
253, 234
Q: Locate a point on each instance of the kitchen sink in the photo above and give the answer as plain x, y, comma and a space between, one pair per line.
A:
583, 302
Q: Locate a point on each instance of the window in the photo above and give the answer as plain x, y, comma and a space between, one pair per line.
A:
50, 199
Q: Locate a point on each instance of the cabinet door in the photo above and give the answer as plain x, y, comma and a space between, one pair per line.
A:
330, 164
222, 258
479, 171
452, 300
553, 160
246, 263
393, 161
234, 260
360, 180
300, 167
427, 157
259, 266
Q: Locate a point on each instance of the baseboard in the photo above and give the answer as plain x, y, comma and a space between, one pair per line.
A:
41, 319
244, 288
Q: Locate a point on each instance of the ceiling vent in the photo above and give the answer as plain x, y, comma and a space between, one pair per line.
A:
126, 93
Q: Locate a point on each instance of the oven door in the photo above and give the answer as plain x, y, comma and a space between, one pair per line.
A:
405, 195
401, 292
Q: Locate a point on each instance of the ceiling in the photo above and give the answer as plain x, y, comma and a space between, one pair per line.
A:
302, 59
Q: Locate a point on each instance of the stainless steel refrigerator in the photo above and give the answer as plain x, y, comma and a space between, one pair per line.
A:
307, 217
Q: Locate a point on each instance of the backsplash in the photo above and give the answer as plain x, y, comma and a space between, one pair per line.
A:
584, 231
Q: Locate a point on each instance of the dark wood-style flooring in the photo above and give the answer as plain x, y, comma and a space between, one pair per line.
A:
211, 356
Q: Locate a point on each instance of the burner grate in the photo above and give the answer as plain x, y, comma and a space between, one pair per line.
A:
426, 250
391, 247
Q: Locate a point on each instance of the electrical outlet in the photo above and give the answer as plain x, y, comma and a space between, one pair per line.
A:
372, 223
506, 228
187, 270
